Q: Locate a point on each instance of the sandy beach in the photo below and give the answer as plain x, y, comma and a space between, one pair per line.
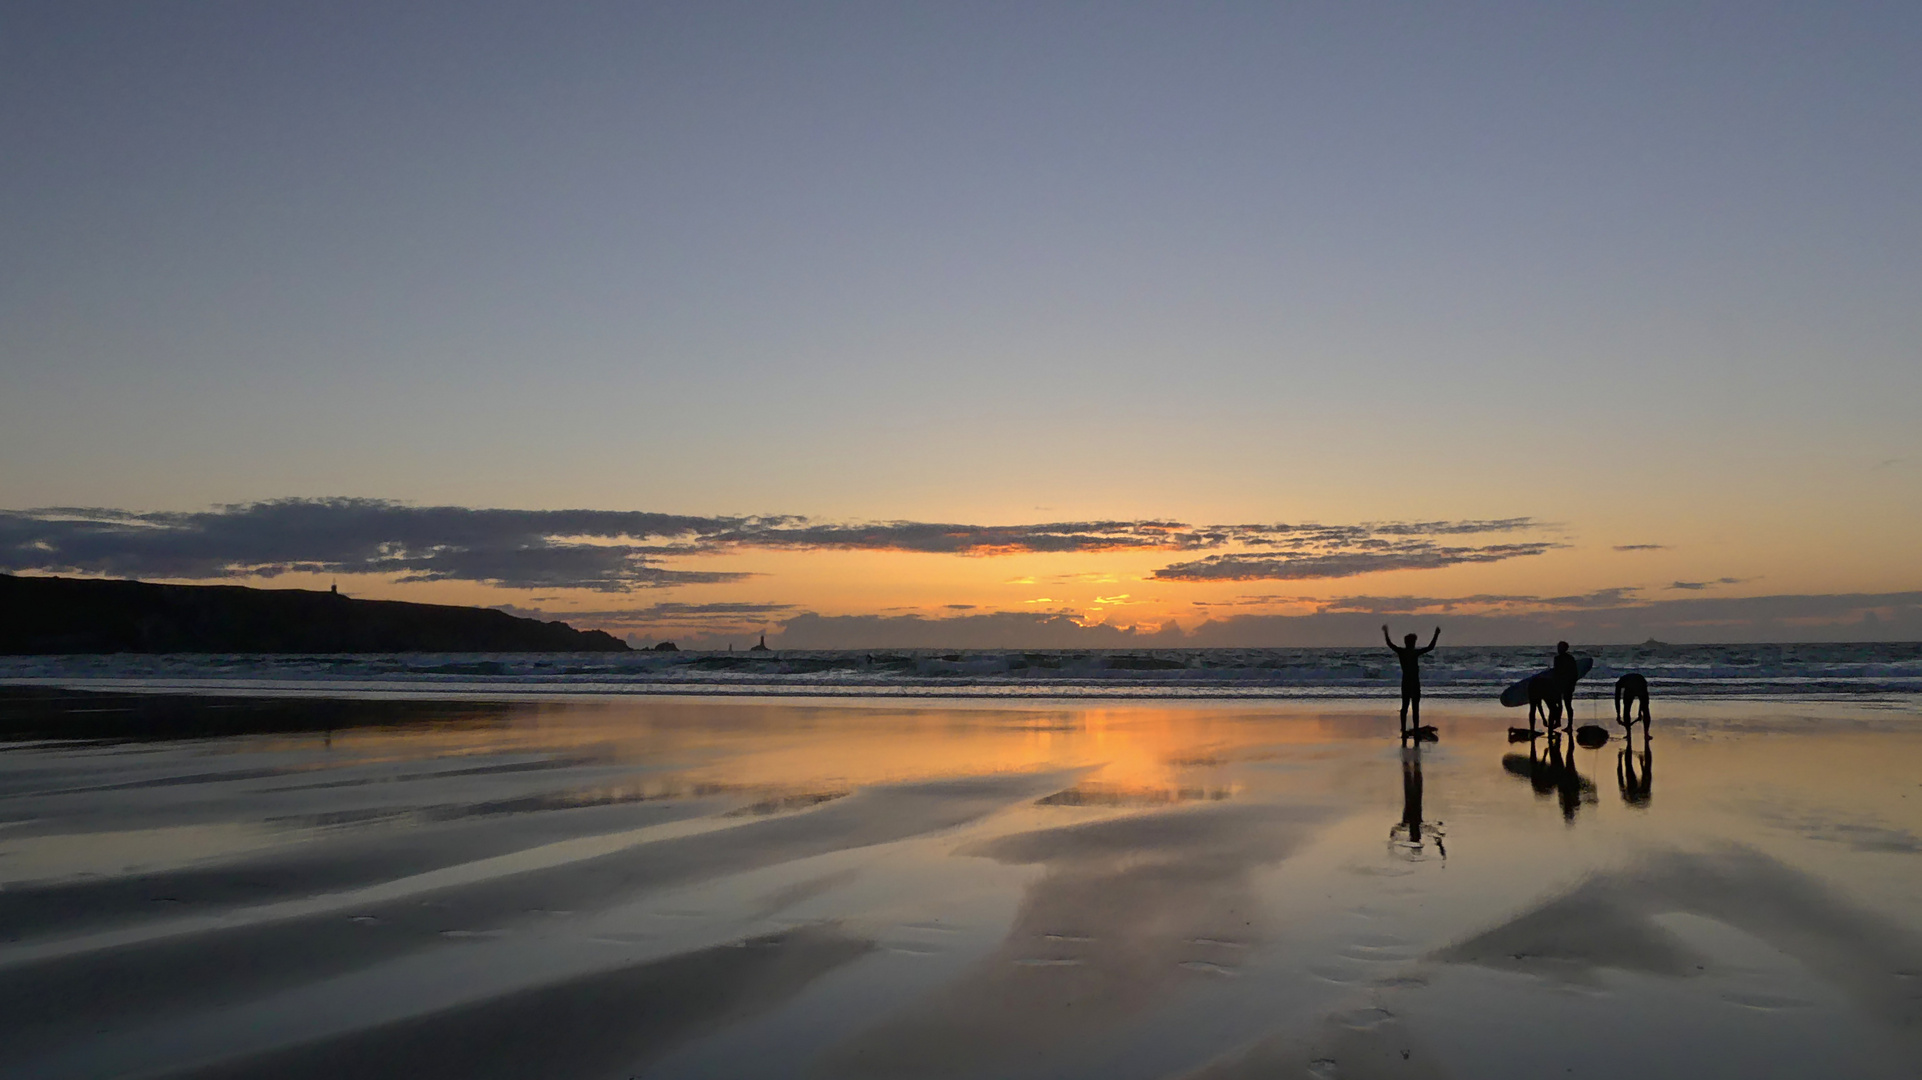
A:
680, 888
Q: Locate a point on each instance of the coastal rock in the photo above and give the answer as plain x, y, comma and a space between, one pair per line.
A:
89, 615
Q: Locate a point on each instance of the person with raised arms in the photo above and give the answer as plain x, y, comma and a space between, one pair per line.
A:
1410, 658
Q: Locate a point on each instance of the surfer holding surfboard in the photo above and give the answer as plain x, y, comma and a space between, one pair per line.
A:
1410, 658
1567, 674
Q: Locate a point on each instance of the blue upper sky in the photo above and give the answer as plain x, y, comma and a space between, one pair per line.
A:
1630, 268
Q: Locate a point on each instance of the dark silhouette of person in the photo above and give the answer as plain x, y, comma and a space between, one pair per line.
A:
1631, 690
1567, 674
1545, 698
1410, 658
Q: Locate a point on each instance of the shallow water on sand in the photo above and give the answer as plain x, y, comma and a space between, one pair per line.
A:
683, 888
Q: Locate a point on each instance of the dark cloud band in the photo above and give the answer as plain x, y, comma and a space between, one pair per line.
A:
1368, 556
619, 551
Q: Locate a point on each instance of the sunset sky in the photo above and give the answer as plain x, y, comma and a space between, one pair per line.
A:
977, 324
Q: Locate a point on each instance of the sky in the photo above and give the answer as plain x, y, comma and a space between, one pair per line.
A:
975, 323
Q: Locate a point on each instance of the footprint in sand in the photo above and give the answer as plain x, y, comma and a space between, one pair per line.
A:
1217, 943
1339, 974
1363, 1019
1765, 1002
1205, 968
1377, 954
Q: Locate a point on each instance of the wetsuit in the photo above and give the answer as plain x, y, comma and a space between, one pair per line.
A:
1410, 658
1566, 676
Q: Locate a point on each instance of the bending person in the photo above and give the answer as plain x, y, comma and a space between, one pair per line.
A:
1410, 658
1631, 690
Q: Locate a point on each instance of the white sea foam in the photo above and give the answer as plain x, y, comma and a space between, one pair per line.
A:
1696, 671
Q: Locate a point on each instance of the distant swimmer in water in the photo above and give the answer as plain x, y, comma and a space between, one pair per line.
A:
1631, 690
1410, 658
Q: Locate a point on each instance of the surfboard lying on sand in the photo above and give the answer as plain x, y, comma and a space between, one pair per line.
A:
1517, 692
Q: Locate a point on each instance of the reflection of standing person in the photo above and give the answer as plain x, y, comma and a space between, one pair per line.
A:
1566, 676
1410, 658
1409, 828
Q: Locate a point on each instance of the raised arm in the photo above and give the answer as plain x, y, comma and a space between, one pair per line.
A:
1390, 642
1431, 641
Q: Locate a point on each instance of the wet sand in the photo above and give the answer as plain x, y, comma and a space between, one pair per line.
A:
684, 888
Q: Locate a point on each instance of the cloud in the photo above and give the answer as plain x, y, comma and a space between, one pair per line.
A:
1697, 586
528, 549
1374, 556
1617, 615
954, 539
700, 616
1641, 547
1399, 605
619, 551
1355, 621
987, 630
1605, 616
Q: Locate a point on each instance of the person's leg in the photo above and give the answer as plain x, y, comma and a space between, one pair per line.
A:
1416, 702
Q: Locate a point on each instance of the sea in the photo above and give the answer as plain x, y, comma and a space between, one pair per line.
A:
1858, 671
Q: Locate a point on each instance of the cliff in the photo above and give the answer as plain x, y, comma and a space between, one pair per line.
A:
83, 615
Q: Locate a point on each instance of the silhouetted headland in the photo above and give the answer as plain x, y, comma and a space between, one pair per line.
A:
83, 615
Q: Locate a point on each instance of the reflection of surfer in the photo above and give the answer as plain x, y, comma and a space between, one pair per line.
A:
1409, 828
1410, 658
1553, 774
1637, 789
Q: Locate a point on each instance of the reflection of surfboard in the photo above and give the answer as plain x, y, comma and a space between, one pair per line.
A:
1517, 692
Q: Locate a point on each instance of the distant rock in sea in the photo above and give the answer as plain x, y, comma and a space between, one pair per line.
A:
89, 615
666, 646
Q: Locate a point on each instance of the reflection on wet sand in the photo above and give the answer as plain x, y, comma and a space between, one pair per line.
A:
1553, 774
681, 889
1406, 835
596, 1025
1636, 778
1126, 913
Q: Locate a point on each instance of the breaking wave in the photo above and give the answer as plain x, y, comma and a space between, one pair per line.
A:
1700, 671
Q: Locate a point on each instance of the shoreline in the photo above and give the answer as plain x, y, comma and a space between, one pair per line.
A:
398, 690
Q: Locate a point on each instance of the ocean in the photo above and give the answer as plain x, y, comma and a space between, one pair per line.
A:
1864, 671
